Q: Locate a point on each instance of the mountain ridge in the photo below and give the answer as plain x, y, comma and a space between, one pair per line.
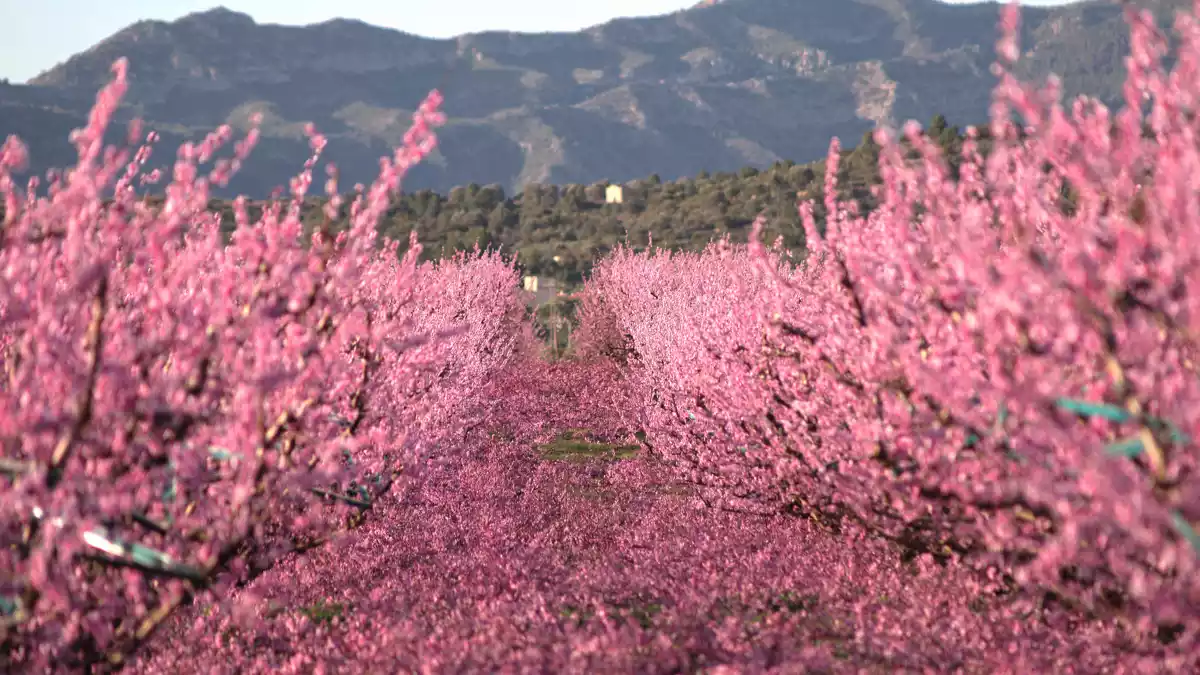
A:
713, 87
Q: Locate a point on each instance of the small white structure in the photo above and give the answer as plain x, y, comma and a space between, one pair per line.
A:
614, 194
542, 290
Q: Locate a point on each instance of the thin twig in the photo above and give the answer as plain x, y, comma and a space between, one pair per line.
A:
345, 498
15, 467
94, 343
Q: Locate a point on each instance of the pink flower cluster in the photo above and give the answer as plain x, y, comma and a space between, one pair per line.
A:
497, 560
177, 410
996, 367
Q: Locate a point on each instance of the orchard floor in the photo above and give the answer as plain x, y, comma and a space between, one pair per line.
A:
542, 545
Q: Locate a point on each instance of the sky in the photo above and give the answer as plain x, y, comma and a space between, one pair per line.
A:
38, 34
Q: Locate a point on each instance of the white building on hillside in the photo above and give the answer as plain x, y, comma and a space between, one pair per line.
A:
614, 194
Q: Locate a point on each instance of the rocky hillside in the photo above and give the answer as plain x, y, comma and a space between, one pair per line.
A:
718, 86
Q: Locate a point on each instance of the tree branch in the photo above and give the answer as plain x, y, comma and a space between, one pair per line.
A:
94, 344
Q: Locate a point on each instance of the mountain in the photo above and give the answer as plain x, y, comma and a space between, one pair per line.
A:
718, 86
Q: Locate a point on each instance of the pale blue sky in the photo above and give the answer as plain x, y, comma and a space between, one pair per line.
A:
37, 34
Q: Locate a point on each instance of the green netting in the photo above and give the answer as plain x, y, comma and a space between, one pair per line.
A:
1089, 409
1186, 530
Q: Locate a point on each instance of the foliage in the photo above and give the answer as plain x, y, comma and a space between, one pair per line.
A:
574, 446
573, 223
